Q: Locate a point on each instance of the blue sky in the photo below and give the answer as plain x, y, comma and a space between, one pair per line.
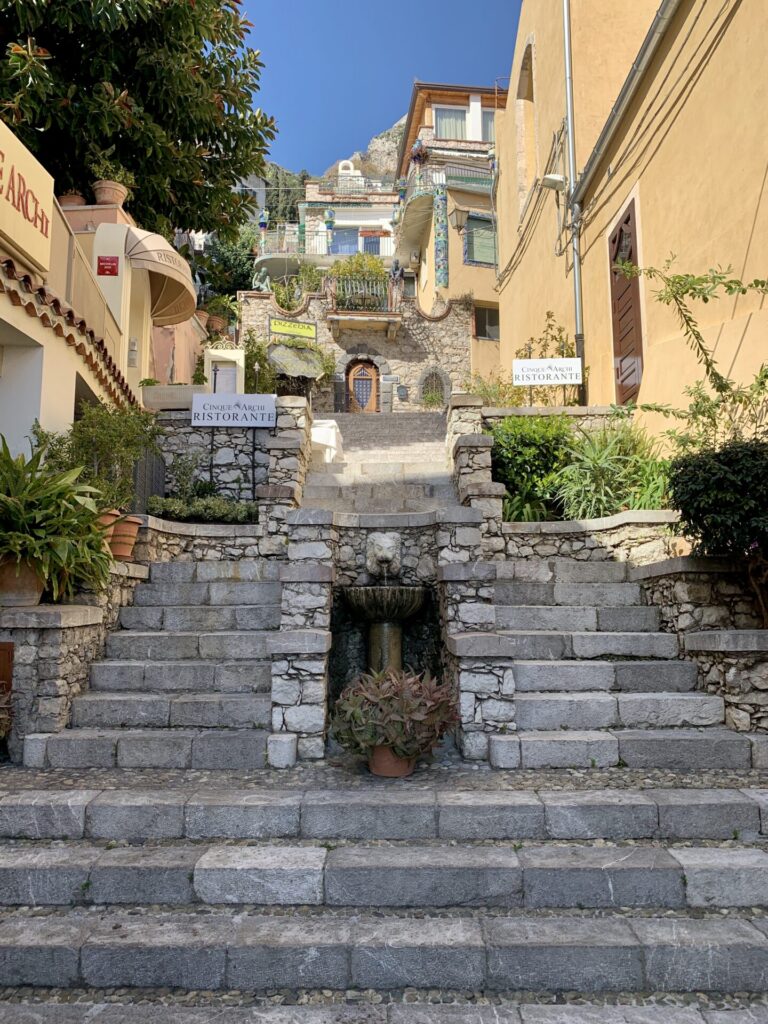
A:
340, 71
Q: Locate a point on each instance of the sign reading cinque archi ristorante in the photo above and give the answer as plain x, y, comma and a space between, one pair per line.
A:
234, 411
546, 372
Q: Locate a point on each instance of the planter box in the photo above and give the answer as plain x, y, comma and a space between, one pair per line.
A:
171, 396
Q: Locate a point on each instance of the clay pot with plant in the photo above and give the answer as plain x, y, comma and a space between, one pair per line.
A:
113, 183
72, 197
50, 533
222, 310
392, 718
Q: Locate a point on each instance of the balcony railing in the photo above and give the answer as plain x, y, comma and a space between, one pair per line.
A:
354, 185
363, 295
425, 179
290, 240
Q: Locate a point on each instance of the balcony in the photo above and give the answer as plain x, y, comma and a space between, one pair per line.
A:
371, 303
424, 180
355, 185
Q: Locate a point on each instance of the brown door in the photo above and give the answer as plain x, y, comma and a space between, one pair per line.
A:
363, 387
625, 311
6, 673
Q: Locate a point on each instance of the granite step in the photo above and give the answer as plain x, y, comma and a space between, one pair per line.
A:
684, 750
204, 618
199, 950
418, 1011
244, 570
561, 570
602, 595
161, 710
241, 645
596, 710
505, 875
374, 813
559, 645
393, 492
228, 748
632, 619
247, 676
217, 592
626, 676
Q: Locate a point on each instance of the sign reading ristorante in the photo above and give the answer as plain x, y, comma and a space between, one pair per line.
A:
546, 372
26, 201
234, 411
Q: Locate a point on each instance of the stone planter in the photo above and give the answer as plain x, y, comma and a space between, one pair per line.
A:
170, 397
387, 765
70, 199
216, 324
123, 539
109, 193
20, 585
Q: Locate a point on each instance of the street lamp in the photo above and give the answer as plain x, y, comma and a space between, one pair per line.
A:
256, 368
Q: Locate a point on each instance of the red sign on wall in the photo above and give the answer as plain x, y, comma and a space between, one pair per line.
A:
108, 266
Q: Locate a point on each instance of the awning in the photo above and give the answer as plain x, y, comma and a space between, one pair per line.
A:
173, 293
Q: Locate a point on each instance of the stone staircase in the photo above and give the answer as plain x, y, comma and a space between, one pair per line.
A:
186, 679
572, 672
392, 463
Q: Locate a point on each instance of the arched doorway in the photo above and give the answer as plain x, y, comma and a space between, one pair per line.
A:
363, 387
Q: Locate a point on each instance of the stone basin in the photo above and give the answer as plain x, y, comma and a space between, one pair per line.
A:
385, 604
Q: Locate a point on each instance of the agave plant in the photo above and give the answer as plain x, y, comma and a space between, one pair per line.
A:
405, 711
50, 521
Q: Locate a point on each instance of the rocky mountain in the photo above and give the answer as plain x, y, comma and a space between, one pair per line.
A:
380, 158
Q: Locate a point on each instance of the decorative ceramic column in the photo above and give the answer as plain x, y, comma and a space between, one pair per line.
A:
440, 212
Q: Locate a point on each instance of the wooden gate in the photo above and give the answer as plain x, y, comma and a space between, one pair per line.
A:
625, 311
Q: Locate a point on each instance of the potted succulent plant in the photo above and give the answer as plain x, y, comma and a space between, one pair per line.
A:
50, 534
113, 184
392, 718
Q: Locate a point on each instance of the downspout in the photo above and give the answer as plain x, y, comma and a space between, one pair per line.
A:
574, 206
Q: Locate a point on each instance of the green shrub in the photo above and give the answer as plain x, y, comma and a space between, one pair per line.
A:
527, 452
610, 470
50, 520
406, 712
214, 509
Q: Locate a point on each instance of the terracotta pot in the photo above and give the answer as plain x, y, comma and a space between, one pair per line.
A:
108, 520
388, 765
124, 534
71, 199
22, 590
202, 316
109, 193
216, 323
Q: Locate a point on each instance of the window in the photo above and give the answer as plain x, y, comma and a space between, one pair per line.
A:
344, 242
489, 126
433, 390
372, 245
450, 122
487, 323
409, 286
479, 241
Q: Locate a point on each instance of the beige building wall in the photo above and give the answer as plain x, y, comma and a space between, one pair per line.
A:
692, 153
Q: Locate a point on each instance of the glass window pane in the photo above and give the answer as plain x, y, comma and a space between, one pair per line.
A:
489, 126
487, 323
450, 124
344, 242
481, 241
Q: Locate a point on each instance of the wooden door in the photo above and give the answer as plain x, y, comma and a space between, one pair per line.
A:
625, 311
363, 388
6, 674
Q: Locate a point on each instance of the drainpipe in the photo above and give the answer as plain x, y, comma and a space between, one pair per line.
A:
575, 207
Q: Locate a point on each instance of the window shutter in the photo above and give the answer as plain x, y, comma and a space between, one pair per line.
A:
481, 241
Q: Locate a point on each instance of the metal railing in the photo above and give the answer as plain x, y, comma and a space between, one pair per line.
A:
425, 179
290, 240
352, 184
363, 294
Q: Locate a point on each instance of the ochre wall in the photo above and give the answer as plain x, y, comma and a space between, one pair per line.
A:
692, 152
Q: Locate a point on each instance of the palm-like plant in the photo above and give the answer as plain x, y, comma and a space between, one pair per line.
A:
50, 521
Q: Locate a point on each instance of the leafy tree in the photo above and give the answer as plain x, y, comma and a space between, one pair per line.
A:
284, 192
233, 260
162, 89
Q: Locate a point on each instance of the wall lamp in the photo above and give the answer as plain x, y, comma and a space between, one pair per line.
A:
458, 218
555, 182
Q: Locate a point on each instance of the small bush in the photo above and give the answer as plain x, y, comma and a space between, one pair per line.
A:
204, 510
527, 452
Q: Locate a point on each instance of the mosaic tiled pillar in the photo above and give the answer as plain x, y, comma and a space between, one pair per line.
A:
440, 207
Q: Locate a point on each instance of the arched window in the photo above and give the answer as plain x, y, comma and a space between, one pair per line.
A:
433, 390
527, 163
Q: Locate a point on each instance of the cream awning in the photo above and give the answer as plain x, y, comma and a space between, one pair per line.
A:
172, 289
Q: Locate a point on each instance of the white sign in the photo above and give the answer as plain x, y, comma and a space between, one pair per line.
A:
234, 411
542, 372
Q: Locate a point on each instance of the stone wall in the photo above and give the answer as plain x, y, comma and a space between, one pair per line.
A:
54, 646
238, 460
734, 664
422, 343
581, 417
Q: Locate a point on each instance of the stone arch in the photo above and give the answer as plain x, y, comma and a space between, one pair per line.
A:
434, 379
340, 382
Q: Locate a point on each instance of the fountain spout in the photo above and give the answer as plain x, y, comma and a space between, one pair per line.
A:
385, 609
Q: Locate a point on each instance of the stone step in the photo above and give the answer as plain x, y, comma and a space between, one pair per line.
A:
219, 592
199, 950
626, 676
605, 595
557, 646
181, 676
685, 750
370, 813
435, 477
400, 875
380, 506
243, 645
245, 570
562, 570
161, 710
391, 493
673, 1010
547, 711
234, 749
201, 617
576, 617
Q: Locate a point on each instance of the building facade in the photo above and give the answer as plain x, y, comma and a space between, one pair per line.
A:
675, 167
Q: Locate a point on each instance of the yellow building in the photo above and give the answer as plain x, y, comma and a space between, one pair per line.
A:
675, 165
445, 223
78, 301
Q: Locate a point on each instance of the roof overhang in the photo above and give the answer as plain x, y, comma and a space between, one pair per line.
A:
172, 290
